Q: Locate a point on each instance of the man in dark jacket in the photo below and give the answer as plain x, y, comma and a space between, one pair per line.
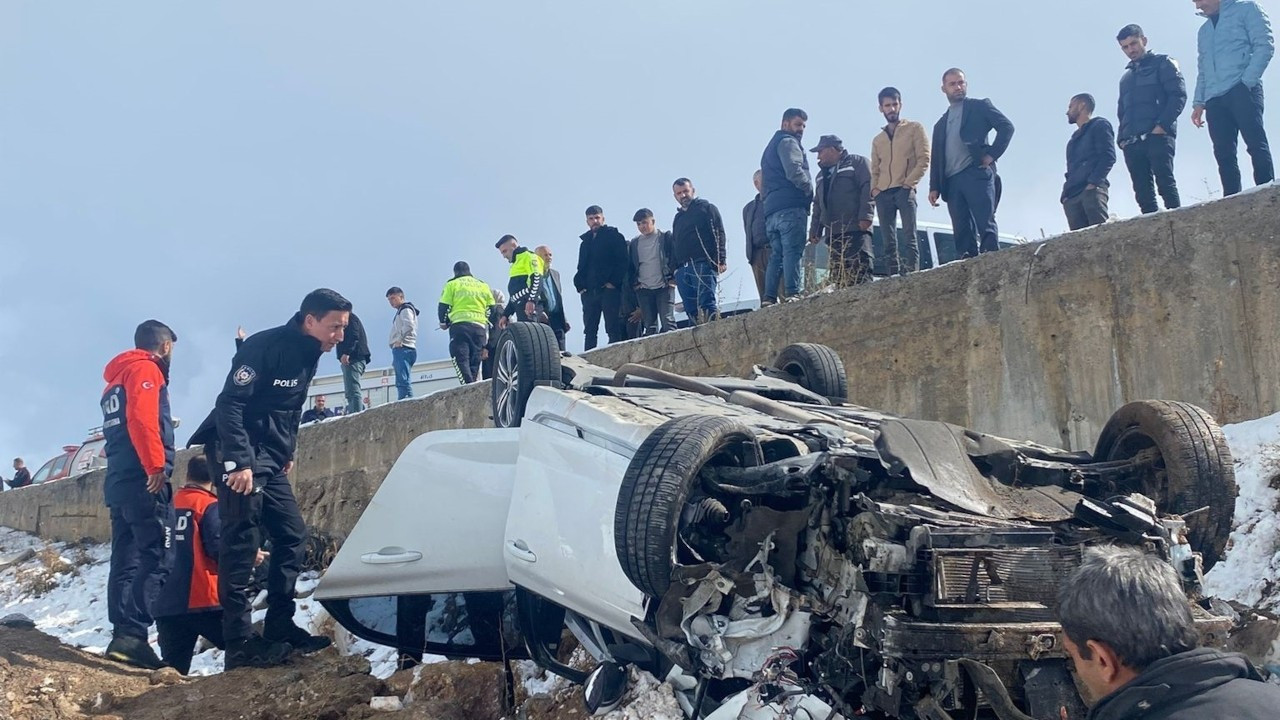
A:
551, 307
1091, 153
317, 412
21, 475
602, 271
788, 192
1130, 634
353, 355
962, 172
251, 435
697, 252
138, 428
1152, 95
842, 212
757, 238
649, 274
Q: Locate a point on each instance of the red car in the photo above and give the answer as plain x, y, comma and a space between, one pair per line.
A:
74, 460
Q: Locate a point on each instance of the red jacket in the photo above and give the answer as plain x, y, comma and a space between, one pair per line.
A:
192, 585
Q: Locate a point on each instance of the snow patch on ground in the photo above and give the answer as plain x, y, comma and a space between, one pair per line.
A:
1251, 570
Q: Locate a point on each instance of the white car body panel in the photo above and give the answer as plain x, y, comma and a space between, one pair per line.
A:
574, 451
436, 523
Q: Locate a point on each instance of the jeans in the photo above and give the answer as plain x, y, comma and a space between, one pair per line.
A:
1231, 116
889, 205
270, 509
466, 342
606, 302
1087, 208
971, 201
786, 231
1151, 159
402, 360
178, 635
655, 305
696, 280
141, 554
351, 374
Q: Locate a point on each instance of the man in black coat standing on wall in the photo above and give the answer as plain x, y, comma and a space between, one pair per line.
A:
963, 169
251, 435
602, 269
1153, 94
353, 355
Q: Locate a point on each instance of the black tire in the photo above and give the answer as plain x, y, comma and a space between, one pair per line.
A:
525, 356
656, 487
816, 368
1195, 468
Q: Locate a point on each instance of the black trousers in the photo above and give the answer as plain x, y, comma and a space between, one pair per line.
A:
178, 635
141, 554
1232, 116
973, 196
466, 343
270, 510
1150, 163
607, 302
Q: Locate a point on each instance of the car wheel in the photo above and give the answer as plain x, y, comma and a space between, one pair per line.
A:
1194, 469
525, 356
659, 483
816, 368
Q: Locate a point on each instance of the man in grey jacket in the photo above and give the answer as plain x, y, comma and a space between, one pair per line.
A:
649, 273
757, 238
842, 212
788, 191
404, 341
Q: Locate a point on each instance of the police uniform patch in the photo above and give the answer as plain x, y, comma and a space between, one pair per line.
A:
243, 375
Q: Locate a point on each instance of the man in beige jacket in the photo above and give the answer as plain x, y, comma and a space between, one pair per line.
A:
899, 160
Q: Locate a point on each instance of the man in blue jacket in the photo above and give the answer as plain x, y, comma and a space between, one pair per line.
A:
1152, 96
1235, 45
1091, 153
787, 188
963, 170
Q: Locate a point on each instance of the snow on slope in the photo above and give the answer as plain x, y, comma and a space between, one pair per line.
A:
1250, 573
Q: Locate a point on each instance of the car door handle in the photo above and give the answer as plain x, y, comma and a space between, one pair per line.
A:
391, 555
519, 550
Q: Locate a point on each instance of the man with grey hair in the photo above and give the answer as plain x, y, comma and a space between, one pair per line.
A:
1130, 634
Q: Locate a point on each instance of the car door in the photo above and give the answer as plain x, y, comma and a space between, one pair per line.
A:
559, 540
423, 570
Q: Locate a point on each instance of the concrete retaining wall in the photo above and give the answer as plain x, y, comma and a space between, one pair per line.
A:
1042, 341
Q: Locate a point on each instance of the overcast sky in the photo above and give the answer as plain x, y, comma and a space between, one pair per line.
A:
207, 164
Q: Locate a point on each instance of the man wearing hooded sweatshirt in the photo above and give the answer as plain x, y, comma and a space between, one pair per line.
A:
1130, 634
1235, 46
404, 341
251, 435
139, 448
602, 271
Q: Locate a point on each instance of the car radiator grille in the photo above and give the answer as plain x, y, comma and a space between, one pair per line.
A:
1020, 577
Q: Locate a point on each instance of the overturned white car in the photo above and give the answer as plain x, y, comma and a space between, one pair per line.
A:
763, 544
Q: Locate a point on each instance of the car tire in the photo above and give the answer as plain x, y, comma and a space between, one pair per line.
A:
1195, 468
525, 356
816, 368
657, 485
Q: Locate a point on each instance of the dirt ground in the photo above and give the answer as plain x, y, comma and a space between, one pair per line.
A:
42, 679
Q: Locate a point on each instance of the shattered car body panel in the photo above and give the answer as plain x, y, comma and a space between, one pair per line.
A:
842, 560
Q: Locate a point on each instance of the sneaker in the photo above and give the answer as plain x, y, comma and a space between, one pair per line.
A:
301, 640
133, 651
255, 652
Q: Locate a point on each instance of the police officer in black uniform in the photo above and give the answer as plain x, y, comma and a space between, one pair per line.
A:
251, 434
1152, 95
